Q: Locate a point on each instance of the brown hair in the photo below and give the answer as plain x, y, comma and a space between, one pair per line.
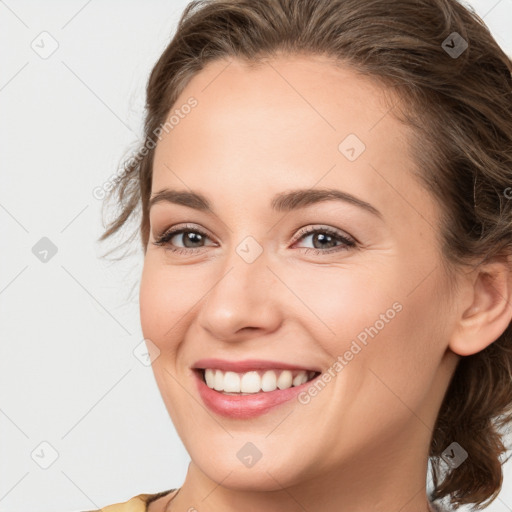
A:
459, 109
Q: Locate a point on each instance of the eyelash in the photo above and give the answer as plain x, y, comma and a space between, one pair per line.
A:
346, 243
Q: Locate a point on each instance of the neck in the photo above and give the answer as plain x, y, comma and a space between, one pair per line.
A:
390, 475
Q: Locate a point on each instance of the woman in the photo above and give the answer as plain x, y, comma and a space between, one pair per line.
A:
325, 198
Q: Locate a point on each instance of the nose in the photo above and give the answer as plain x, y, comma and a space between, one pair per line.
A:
243, 301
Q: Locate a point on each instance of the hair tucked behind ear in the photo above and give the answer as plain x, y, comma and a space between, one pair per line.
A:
459, 110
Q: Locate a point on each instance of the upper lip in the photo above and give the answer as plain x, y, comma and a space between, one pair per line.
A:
247, 365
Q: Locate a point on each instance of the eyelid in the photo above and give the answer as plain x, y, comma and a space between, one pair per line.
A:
179, 228
347, 240
309, 229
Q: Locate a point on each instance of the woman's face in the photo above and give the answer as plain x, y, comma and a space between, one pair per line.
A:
349, 284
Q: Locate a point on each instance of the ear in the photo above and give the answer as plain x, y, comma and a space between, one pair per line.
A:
488, 291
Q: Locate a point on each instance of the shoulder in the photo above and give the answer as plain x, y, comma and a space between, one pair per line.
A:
138, 503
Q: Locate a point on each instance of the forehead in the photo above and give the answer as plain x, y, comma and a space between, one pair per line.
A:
294, 98
288, 123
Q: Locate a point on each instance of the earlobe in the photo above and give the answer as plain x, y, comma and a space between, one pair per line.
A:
490, 312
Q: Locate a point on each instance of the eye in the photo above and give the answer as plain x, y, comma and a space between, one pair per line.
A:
325, 240
190, 235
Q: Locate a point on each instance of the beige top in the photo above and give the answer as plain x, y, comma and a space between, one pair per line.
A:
138, 503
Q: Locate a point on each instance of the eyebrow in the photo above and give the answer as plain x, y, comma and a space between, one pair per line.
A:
282, 202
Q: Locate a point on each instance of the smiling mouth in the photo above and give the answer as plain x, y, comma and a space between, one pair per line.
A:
254, 381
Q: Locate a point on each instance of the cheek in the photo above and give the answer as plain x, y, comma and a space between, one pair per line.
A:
166, 296
375, 323
401, 356
339, 304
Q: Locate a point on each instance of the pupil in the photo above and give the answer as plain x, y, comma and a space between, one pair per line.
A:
189, 236
320, 237
195, 238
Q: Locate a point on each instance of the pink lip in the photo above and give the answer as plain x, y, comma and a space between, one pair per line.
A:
245, 406
247, 365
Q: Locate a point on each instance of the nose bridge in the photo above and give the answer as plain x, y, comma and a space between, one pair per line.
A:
239, 297
245, 269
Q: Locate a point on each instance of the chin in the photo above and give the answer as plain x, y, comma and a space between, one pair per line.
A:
263, 476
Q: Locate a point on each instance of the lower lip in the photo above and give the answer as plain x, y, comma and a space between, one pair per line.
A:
245, 406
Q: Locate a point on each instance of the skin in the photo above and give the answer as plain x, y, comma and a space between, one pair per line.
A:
362, 443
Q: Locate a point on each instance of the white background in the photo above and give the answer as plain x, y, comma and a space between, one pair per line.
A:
69, 326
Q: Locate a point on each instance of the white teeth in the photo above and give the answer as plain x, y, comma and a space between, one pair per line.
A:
209, 376
219, 381
300, 379
255, 381
250, 382
269, 381
231, 382
285, 380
